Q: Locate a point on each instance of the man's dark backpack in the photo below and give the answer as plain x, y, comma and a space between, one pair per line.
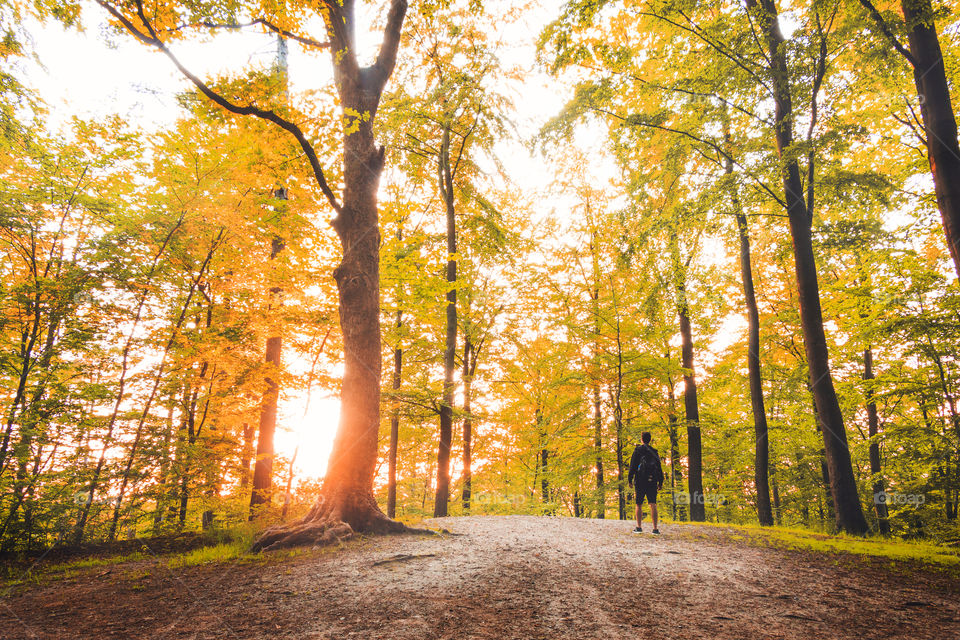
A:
647, 467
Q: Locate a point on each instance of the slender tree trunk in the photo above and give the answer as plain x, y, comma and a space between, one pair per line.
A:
261, 495
187, 458
469, 366
450, 345
31, 419
165, 459
121, 387
287, 496
691, 406
873, 429
849, 512
775, 485
394, 422
598, 452
762, 455
544, 482
621, 486
195, 285
618, 424
762, 452
676, 473
596, 374
246, 456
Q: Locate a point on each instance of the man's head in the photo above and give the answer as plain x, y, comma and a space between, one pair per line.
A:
645, 437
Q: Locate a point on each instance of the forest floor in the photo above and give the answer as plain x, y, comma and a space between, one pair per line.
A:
502, 577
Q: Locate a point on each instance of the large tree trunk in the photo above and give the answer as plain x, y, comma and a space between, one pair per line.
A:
347, 503
936, 110
450, 345
824, 468
939, 121
873, 428
843, 486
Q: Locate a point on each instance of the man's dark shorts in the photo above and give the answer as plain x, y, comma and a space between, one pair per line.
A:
648, 491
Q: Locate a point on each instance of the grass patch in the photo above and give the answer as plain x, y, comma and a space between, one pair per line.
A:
896, 549
223, 552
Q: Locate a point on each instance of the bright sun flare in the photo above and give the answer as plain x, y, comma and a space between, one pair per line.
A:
307, 427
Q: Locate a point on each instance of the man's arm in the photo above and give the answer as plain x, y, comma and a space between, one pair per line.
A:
659, 473
634, 459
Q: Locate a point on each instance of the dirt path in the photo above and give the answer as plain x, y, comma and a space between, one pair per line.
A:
503, 577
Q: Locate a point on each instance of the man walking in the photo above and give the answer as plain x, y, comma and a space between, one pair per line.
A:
646, 476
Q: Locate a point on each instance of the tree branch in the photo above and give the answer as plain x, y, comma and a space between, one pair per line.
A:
696, 138
887, 32
150, 38
694, 29
387, 57
208, 24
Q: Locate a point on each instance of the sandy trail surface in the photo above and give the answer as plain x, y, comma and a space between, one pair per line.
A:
503, 577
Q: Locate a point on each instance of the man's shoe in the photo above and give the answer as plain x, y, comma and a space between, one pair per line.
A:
637, 530
656, 531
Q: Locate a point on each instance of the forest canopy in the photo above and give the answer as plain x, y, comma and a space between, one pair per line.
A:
493, 243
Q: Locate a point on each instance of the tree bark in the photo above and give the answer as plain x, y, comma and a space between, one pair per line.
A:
262, 493
824, 469
849, 512
544, 482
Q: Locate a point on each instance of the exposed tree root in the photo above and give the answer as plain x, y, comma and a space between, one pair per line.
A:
332, 522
